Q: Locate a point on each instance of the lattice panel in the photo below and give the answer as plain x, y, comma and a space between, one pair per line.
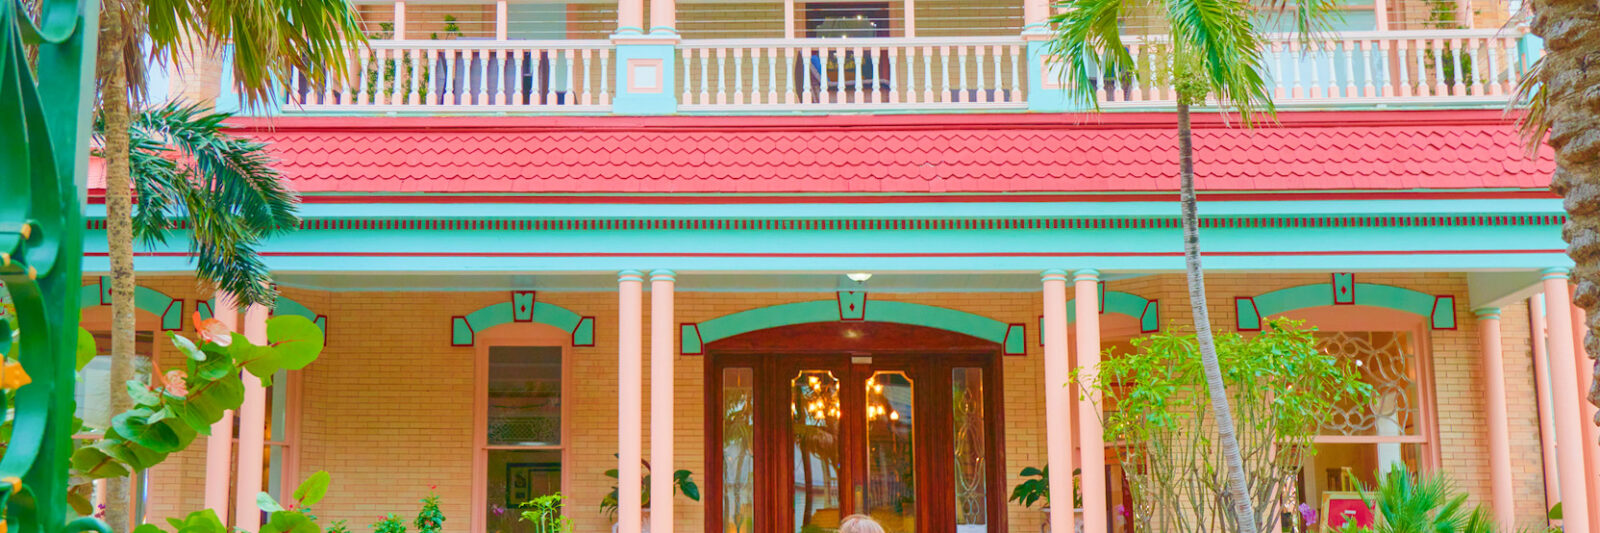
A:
1388, 363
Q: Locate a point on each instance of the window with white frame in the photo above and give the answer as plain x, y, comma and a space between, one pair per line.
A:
524, 436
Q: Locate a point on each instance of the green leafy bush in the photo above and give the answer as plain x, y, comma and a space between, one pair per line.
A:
1282, 390
544, 513
682, 481
170, 412
430, 519
389, 524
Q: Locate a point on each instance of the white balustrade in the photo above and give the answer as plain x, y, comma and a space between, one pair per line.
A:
1420, 67
1411, 67
826, 74
465, 75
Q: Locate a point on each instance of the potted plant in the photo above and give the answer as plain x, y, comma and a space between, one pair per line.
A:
544, 513
1036, 489
682, 481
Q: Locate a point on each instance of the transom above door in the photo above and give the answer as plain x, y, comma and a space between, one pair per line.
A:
798, 441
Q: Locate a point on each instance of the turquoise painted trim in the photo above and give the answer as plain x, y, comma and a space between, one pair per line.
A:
1440, 310
167, 308
664, 102
464, 329
1011, 337
1126, 304
1041, 99
286, 306
1088, 207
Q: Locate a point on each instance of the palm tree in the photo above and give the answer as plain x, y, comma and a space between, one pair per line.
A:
271, 39
1209, 49
1566, 106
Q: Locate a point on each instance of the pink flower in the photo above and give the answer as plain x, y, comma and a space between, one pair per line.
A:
175, 383
1308, 514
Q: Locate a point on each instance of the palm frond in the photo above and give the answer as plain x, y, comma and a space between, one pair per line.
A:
190, 172
1088, 45
272, 39
1534, 125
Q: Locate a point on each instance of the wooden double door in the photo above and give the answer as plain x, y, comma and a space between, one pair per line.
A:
798, 442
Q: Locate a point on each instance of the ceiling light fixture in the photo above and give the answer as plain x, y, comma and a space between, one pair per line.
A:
859, 277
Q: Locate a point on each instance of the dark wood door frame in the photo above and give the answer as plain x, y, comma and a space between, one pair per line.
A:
930, 372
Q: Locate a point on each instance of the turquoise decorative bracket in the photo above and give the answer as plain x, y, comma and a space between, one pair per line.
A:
1342, 289
1128, 304
144, 298
523, 307
694, 336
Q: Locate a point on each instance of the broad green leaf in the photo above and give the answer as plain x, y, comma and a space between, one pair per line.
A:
209, 402
261, 361
135, 426
142, 395
298, 340
265, 502
290, 522
214, 367
202, 521
187, 346
148, 528
86, 348
79, 504
313, 489
94, 463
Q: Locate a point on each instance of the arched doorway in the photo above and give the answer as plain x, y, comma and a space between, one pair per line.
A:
812, 422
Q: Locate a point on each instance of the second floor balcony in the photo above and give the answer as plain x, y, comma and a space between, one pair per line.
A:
898, 56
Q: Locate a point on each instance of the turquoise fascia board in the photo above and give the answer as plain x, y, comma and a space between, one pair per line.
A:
662, 102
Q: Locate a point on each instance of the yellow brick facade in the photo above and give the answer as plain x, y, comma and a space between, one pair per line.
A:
388, 409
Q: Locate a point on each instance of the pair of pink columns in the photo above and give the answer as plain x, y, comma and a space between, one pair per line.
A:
630, 306
1060, 406
1573, 431
252, 430
663, 17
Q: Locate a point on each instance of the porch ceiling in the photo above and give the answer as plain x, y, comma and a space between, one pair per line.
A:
690, 281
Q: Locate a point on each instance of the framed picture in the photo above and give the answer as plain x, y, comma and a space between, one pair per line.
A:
526, 481
1340, 508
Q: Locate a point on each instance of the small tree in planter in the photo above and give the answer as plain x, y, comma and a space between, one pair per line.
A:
682, 481
430, 519
1282, 388
1037, 489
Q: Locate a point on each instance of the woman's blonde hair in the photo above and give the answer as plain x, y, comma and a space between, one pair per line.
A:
859, 523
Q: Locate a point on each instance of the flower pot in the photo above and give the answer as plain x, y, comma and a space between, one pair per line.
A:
644, 522
1077, 520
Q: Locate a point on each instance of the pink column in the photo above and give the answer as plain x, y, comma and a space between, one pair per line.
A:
1591, 437
664, 16
1494, 385
1541, 383
1091, 436
630, 345
661, 390
1057, 401
630, 16
219, 445
252, 430
1035, 13
1566, 399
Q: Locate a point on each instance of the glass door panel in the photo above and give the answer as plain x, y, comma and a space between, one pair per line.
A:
970, 438
891, 491
814, 409
738, 450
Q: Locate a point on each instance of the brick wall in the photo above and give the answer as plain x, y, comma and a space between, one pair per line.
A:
388, 409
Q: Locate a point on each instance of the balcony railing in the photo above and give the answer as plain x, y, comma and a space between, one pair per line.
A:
1461, 68
467, 75
1419, 67
846, 74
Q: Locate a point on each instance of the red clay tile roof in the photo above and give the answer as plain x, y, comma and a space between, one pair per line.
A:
996, 153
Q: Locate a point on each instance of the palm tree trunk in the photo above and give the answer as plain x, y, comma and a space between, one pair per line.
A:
1237, 493
1571, 32
119, 235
